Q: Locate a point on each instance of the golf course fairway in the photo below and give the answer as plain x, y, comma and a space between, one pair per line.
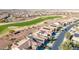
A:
28, 23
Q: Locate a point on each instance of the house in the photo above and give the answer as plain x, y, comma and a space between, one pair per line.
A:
4, 44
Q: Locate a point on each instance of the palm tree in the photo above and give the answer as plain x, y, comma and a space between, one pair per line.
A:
68, 35
9, 46
67, 45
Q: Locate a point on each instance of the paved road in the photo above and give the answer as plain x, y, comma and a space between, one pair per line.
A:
61, 37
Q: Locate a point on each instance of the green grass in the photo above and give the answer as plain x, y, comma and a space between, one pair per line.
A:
28, 23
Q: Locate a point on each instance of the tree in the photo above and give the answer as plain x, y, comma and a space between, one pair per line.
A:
9, 46
59, 28
77, 44
11, 31
2, 20
67, 45
68, 35
52, 39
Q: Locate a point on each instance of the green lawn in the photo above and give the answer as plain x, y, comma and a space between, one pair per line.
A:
28, 23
